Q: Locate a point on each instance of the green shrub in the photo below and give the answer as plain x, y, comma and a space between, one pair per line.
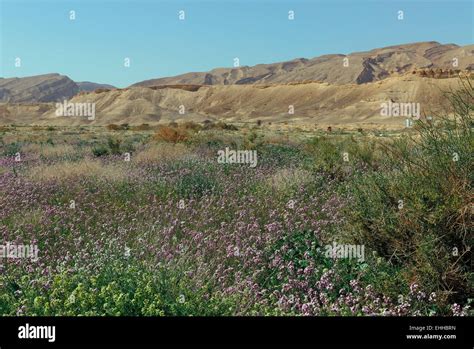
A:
114, 145
196, 184
120, 288
11, 149
100, 150
417, 211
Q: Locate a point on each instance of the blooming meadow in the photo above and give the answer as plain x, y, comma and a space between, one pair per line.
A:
130, 223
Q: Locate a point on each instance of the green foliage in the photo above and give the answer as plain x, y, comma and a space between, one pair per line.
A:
123, 287
11, 149
196, 184
282, 155
417, 212
253, 140
114, 145
100, 150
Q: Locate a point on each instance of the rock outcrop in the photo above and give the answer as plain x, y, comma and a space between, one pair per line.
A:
359, 67
40, 88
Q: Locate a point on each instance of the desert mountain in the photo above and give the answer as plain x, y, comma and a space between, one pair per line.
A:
313, 103
359, 68
356, 68
320, 91
40, 88
43, 88
92, 86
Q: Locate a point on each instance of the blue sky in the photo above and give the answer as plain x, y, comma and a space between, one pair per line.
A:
105, 32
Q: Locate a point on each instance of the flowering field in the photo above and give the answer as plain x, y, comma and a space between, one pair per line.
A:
128, 222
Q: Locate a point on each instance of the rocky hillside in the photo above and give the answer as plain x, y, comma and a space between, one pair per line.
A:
313, 103
40, 88
359, 68
92, 86
321, 91
44, 88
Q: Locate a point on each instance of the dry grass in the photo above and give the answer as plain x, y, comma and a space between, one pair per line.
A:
277, 139
287, 178
68, 170
33, 216
163, 152
49, 151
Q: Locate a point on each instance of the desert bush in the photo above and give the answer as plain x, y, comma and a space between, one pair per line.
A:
326, 152
11, 149
417, 212
100, 90
220, 125
253, 140
114, 127
191, 125
128, 146
114, 145
171, 134
224, 126
142, 127
100, 150
208, 125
